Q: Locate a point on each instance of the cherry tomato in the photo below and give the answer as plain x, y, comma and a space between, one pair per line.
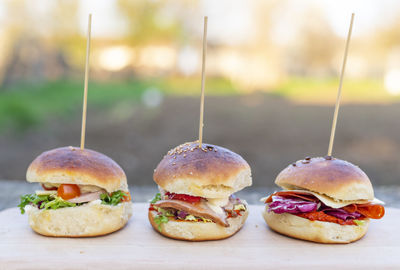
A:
183, 197
68, 191
48, 188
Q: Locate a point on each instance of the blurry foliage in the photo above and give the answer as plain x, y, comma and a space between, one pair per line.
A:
152, 20
324, 90
24, 105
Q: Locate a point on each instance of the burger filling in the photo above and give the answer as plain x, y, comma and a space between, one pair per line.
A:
310, 207
55, 196
187, 208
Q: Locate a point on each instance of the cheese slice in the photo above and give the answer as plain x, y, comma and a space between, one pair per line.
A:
217, 204
334, 203
46, 192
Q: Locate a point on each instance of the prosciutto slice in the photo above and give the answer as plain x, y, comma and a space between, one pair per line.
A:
87, 197
199, 209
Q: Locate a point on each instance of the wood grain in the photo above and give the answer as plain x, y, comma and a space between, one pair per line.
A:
138, 246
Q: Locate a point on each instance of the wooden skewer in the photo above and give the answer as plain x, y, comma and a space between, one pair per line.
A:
203, 78
86, 82
335, 115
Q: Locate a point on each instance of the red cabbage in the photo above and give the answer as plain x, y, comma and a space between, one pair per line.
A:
281, 205
342, 214
181, 214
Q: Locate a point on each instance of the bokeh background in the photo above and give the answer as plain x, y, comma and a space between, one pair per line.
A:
272, 78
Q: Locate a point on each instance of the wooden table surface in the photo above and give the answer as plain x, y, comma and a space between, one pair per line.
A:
138, 246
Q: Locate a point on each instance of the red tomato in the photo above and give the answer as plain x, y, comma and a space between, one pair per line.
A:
48, 188
68, 191
183, 197
127, 198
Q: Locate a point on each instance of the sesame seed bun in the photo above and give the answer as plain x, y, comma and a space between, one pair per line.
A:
210, 172
72, 165
315, 231
338, 179
91, 219
198, 231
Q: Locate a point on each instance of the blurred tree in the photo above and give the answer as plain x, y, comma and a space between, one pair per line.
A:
315, 48
44, 40
155, 21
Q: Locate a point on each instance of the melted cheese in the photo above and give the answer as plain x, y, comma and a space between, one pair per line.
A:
46, 192
89, 188
217, 204
335, 204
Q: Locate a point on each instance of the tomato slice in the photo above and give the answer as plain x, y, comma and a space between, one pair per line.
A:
48, 188
321, 216
374, 211
68, 191
183, 197
126, 198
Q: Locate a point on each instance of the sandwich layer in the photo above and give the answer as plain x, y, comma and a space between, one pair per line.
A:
315, 231
335, 178
210, 172
92, 219
72, 165
198, 231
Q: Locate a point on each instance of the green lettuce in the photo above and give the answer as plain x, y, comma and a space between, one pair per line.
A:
359, 222
114, 198
160, 219
44, 202
156, 198
163, 214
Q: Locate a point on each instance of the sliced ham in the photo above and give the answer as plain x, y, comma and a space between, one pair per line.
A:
199, 209
303, 196
87, 197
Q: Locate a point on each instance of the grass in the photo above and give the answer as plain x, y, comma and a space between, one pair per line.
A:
324, 91
25, 104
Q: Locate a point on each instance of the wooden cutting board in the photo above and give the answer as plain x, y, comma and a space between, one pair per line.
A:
138, 246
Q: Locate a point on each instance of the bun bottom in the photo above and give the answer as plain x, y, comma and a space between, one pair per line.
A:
88, 220
315, 231
198, 231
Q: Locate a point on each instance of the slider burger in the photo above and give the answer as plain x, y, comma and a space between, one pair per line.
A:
84, 193
325, 200
196, 200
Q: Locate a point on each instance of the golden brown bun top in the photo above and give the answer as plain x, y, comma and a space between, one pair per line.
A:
211, 172
71, 165
333, 177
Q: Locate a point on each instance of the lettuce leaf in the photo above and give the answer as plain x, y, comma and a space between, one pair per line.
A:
156, 198
359, 222
160, 219
114, 198
43, 202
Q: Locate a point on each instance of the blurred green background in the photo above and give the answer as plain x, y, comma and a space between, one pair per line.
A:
272, 78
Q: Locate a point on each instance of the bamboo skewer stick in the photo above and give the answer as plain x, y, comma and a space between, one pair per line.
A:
83, 130
335, 115
203, 71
